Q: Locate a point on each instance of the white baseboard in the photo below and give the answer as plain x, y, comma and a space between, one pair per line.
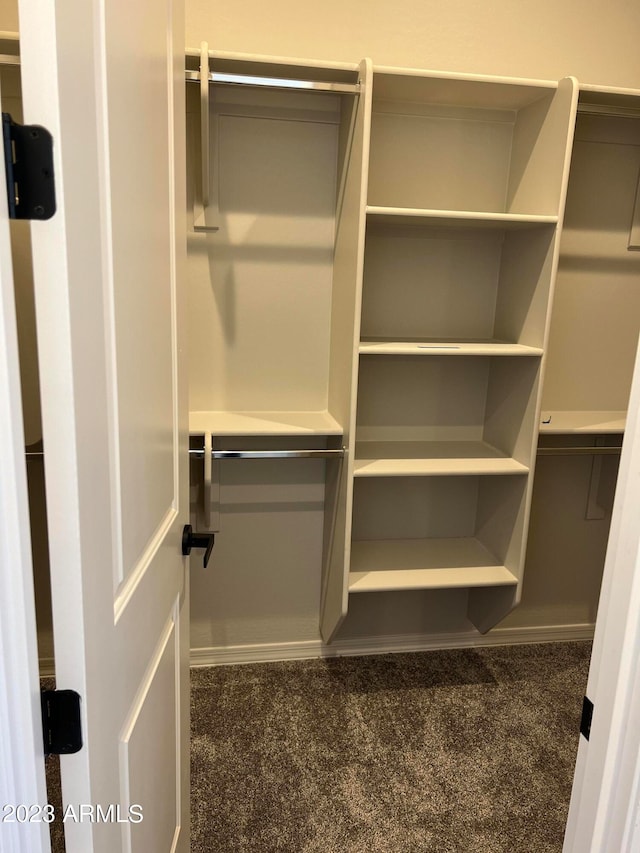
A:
309, 649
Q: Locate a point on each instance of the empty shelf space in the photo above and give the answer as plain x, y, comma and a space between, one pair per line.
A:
455, 218
411, 86
389, 346
442, 153
263, 423
402, 564
582, 422
431, 458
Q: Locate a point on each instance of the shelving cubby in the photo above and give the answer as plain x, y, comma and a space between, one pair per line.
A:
455, 287
481, 145
437, 533
441, 415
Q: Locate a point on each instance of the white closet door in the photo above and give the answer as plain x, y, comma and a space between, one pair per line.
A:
604, 815
22, 780
107, 79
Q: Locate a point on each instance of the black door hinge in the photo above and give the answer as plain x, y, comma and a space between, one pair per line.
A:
28, 164
587, 716
61, 722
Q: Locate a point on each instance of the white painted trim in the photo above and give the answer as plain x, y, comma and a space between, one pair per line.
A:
22, 779
310, 649
603, 814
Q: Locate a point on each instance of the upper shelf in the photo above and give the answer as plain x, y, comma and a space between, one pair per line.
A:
383, 346
455, 218
583, 422
274, 66
415, 85
263, 423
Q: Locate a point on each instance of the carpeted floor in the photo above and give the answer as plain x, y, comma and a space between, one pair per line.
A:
468, 751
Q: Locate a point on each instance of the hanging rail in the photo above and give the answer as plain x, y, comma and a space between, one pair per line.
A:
207, 218
609, 111
579, 451
270, 454
273, 82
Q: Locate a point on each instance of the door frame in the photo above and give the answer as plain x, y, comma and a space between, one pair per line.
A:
22, 777
604, 814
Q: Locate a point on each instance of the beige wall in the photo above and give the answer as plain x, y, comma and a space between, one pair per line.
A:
594, 41
9, 16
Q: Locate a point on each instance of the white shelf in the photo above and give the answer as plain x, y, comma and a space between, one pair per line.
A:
404, 564
454, 218
432, 458
416, 85
263, 423
383, 346
561, 423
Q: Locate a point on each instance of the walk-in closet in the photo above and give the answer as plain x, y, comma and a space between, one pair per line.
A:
411, 300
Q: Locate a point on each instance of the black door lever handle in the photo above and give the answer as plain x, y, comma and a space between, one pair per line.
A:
197, 540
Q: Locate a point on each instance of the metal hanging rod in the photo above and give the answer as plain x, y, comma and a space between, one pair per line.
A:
273, 82
270, 454
609, 111
579, 451
8, 59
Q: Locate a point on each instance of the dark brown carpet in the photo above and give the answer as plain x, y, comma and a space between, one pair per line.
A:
468, 751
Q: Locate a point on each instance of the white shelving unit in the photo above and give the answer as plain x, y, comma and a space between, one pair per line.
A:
377, 275
465, 192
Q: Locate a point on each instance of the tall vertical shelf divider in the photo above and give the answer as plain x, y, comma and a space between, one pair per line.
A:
465, 189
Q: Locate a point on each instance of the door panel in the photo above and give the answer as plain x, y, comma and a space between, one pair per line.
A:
109, 311
148, 745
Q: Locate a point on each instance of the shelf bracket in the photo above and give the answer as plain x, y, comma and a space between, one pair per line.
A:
602, 483
206, 215
211, 507
634, 233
